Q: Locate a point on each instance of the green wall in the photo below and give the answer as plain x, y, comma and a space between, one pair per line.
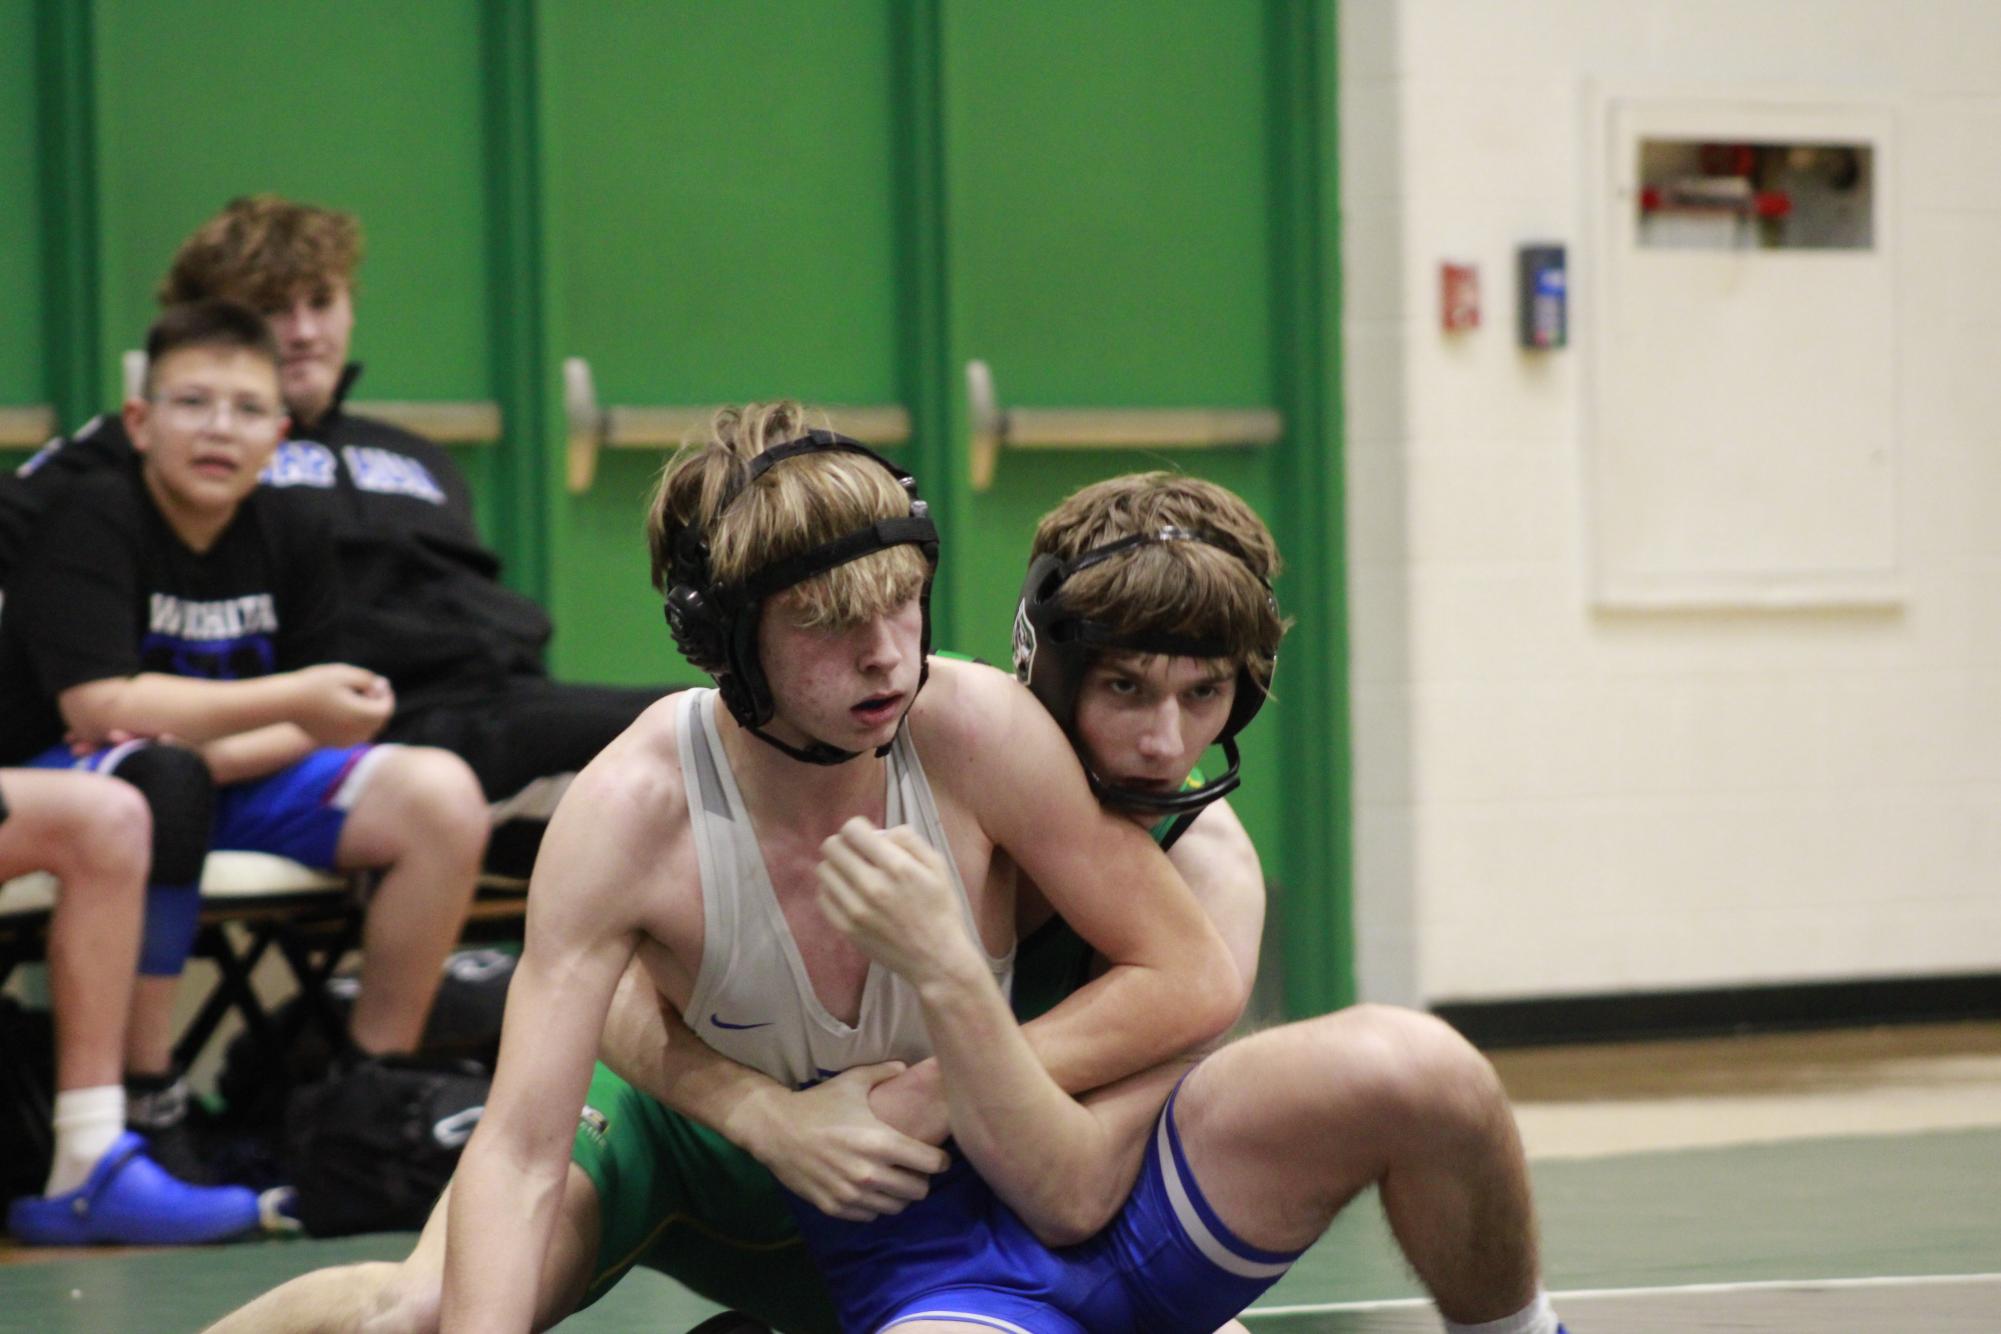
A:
1113, 204
23, 368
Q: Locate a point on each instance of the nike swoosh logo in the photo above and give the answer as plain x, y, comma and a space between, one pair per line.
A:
720, 1022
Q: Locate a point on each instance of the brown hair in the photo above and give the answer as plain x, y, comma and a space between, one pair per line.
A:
801, 504
1187, 589
216, 324
264, 250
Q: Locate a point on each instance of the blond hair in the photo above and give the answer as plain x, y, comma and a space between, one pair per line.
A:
264, 251
1191, 590
797, 506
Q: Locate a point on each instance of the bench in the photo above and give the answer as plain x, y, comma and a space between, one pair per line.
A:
252, 903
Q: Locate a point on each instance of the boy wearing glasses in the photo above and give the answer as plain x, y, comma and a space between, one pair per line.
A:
175, 601
425, 605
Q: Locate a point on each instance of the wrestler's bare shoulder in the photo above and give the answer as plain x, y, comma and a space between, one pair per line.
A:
620, 841
1216, 844
635, 782
969, 708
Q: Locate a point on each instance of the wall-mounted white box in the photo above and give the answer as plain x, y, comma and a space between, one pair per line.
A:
1740, 428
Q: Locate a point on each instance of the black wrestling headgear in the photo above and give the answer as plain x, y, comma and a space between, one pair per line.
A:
1053, 649
718, 625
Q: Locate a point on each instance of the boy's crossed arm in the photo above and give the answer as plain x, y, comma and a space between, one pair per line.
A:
244, 729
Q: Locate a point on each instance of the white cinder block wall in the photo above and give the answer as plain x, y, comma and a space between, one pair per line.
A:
1558, 799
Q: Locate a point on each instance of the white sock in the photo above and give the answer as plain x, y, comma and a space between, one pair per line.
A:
1538, 1317
88, 1123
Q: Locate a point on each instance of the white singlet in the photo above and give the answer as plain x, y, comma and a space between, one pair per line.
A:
752, 1000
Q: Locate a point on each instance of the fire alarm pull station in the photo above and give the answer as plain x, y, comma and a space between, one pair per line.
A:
1458, 296
1543, 297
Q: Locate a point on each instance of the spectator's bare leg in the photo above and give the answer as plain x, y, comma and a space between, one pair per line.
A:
93, 835
423, 822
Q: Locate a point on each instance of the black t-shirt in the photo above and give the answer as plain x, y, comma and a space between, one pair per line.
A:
424, 605
106, 589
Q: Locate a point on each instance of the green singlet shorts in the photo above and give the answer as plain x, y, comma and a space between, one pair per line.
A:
677, 1197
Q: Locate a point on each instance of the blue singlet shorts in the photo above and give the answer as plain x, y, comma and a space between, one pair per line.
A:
297, 812
1166, 1264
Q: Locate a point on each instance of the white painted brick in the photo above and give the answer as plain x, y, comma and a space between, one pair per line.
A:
1386, 934
1487, 139
1984, 614
1380, 724
1983, 735
1531, 857
1486, 387
1700, 895
1488, 623
1373, 271
1816, 43
1900, 731
1948, 275
1952, 149
1946, 504
1984, 818
1477, 743
1972, 473
1504, 504
1757, 733
1481, 39
1972, 389
1378, 522
1544, 740
1949, 45
1610, 801
1371, 142
1372, 378
1680, 855
1378, 643
1370, 39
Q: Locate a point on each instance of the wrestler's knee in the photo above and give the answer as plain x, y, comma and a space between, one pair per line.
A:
1410, 1069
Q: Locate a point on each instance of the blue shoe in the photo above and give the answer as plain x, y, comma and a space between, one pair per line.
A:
130, 1200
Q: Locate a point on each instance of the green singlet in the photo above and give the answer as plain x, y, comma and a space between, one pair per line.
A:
677, 1197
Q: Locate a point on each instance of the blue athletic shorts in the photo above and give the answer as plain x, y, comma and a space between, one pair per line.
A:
1165, 1264
298, 812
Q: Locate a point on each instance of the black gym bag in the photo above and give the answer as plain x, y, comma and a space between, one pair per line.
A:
371, 1147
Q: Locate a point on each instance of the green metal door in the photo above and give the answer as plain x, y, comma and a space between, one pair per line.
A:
1114, 177
722, 227
23, 369
372, 106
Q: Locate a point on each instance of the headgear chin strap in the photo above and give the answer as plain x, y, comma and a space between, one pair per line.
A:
717, 625
1053, 649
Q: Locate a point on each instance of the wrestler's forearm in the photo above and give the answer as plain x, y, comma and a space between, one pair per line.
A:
1125, 1021
1028, 1138
503, 1209
647, 1044
1080, 1046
